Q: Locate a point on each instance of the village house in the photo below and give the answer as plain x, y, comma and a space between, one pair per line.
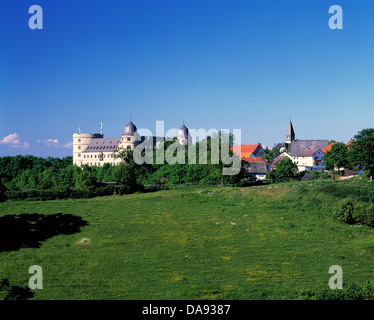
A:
257, 169
310, 160
278, 158
247, 151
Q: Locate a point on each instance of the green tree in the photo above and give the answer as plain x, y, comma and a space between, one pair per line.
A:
337, 156
285, 168
125, 176
47, 179
270, 155
3, 188
83, 178
361, 150
140, 171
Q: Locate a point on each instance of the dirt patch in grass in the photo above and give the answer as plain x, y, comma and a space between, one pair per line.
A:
83, 242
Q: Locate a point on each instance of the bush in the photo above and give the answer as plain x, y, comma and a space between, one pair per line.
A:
346, 211
364, 213
106, 191
317, 175
126, 178
15, 195
349, 292
356, 212
80, 194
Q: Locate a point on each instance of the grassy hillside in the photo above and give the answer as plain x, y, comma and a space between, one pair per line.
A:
263, 242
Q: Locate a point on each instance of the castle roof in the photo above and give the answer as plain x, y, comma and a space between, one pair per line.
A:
102, 145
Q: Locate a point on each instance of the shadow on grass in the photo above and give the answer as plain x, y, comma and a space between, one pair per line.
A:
10, 292
29, 230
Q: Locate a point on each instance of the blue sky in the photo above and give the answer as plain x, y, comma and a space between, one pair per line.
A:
238, 64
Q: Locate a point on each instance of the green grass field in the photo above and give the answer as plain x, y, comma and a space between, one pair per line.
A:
193, 243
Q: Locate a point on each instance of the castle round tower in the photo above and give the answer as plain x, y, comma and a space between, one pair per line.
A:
80, 143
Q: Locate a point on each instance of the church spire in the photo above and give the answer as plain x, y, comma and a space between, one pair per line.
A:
290, 135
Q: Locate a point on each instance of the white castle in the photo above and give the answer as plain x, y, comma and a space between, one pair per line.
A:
93, 149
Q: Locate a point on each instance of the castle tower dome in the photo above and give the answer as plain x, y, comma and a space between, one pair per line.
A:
182, 132
130, 137
183, 135
130, 129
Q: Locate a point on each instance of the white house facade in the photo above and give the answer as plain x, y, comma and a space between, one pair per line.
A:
310, 160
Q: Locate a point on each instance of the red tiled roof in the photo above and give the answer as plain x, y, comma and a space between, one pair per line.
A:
328, 147
258, 159
349, 143
245, 148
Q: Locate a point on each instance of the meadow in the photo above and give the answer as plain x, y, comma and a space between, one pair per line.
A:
260, 242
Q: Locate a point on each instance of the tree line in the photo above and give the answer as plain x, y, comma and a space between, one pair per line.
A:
30, 176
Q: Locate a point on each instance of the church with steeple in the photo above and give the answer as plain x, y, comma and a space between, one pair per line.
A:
306, 154
93, 149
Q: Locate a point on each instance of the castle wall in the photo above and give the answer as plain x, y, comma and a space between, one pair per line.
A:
80, 143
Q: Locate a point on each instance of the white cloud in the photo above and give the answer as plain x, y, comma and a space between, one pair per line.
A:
55, 143
14, 141
51, 142
68, 145
11, 139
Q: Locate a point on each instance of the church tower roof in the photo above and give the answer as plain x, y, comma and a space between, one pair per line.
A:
290, 135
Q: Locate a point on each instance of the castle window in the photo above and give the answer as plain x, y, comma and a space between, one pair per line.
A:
79, 140
128, 139
79, 154
79, 147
